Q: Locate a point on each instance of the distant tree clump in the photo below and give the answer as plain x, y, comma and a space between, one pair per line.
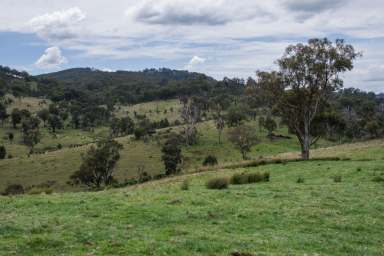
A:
244, 138
171, 155
98, 165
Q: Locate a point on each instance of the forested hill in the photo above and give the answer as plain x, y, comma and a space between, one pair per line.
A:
127, 86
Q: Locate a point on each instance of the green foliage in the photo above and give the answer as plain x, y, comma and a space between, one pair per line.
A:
378, 179
31, 132
247, 178
185, 185
308, 74
16, 117
171, 155
210, 160
244, 138
270, 124
98, 165
218, 183
3, 152
13, 189
337, 178
236, 115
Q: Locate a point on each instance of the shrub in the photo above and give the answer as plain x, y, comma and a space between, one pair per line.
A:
185, 185
218, 183
210, 160
37, 190
3, 152
358, 169
337, 178
139, 133
14, 189
247, 178
59, 146
300, 180
378, 179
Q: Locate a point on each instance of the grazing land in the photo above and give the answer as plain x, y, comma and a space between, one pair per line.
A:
316, 216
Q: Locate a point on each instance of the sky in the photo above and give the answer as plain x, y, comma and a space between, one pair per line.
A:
232, 38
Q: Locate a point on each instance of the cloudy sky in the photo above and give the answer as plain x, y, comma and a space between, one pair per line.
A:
217, 37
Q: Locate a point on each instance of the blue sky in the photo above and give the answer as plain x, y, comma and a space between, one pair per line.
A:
219, 38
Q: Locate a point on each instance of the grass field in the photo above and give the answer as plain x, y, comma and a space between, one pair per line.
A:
59, 165
155, 110
280, 217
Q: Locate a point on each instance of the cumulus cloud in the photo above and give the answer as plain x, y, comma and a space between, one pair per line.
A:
52, 58
190, 12
57, 25
238, 36
196, 60
307, 8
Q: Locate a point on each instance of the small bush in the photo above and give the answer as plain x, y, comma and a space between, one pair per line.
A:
40, 190
185, 185
337, 178
300, 180
14, 189
59, 146
218, 183
247, 178
3, 152
378, 179
358, 169
210, 160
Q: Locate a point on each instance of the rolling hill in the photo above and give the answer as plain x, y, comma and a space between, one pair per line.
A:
335, 209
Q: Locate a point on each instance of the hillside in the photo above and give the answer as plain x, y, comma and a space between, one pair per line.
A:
126, 86
320, 215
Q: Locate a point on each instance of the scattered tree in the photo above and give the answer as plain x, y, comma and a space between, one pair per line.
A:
31, 132
16, 117
43, 115
98, 165
191, 115
171, 155
270, 125
308, 74
244, 138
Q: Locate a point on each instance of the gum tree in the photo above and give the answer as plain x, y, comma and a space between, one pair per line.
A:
308, 74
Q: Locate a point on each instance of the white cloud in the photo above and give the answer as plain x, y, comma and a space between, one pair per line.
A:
196, 60
57, 25
191, 12
238, 36
52, 58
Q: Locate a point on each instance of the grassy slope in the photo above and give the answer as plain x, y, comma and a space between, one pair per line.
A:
59, 165
281, 217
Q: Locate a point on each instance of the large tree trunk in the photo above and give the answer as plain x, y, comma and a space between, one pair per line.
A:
306, 140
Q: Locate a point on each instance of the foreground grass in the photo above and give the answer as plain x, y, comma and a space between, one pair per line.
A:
281, 217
